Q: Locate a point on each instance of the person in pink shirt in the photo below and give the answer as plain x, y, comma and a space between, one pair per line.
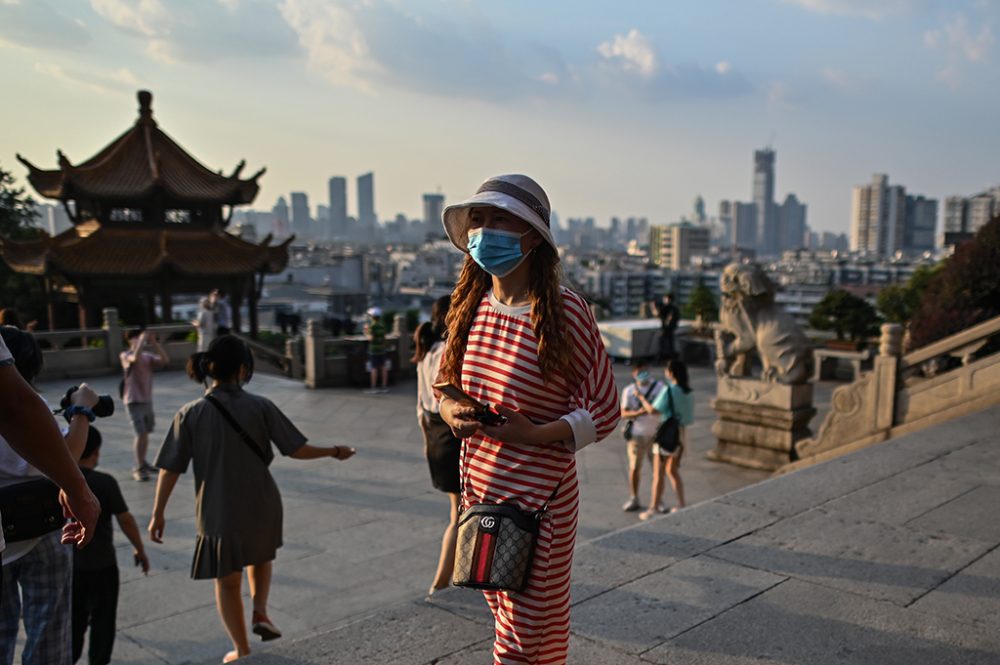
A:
145, 353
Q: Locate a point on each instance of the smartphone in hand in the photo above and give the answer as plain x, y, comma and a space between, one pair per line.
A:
484, 413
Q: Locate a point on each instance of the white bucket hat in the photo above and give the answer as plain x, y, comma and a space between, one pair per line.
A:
517, 194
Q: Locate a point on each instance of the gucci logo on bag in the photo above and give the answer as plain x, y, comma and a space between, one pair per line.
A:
488, 522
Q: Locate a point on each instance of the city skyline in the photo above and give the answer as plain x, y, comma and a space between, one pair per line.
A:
617, 111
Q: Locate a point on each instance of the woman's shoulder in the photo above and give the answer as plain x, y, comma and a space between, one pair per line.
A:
576, 305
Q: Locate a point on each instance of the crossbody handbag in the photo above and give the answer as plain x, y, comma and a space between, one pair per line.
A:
30, 509
246, 438
496, 545
668, 434
630, 423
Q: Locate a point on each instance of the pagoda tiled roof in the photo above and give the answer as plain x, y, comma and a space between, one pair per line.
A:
95, 250
141, 162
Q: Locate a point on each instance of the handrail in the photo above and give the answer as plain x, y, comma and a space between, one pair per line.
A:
952, 343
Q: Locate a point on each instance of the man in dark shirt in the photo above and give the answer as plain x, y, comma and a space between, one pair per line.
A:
669, 317
95, 569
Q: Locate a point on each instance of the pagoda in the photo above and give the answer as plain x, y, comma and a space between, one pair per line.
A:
148, 218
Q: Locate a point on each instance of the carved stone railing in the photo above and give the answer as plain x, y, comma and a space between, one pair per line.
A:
91, 352
947, 379
339, 361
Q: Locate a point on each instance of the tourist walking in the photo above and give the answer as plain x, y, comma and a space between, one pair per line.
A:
674, 402
224, 313
227, 436
441, 446
378, 361
519, 340
95, 567
640, 428
669, 317
37, 575
207, 320
138, 363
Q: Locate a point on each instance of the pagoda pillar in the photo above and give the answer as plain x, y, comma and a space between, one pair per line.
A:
252, 308
236, 302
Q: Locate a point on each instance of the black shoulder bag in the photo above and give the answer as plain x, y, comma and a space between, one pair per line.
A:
668, 434
627, 429
30, 509
246, 438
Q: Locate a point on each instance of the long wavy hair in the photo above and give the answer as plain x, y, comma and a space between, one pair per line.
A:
548, 317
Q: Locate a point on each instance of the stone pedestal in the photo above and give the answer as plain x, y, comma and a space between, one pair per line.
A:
759, 423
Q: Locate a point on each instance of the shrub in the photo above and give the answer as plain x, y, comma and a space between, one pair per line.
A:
845, 314
964, 292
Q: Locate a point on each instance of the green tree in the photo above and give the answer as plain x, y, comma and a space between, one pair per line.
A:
964, 292
846, 315
17, 222
702, 304
899, 302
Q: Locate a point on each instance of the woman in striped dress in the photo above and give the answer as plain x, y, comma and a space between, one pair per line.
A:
520, 341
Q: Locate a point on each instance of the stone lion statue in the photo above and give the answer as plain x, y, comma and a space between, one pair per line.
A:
750, 319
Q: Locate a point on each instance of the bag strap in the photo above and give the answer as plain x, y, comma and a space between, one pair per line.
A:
247, 439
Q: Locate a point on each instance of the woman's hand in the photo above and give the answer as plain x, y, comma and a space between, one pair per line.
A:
156, 524
460, 418
646, 406
342, 452
517, 429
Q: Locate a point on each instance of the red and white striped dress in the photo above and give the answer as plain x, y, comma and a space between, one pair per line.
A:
501, 367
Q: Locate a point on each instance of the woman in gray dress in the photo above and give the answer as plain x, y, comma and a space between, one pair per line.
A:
227, 434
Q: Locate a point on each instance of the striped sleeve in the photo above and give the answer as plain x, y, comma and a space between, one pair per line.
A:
595, 400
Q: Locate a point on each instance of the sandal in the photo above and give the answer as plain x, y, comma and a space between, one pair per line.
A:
262, 626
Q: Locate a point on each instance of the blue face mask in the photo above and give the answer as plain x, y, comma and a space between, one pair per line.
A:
642, 377
497, 252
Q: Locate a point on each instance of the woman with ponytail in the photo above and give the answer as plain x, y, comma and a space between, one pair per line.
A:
520, 341
441, 446
227, 435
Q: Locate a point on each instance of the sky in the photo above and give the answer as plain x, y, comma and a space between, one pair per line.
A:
617, 108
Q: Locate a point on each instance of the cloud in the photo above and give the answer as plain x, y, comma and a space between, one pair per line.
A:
632, 60
101, 82
201, 32
959, 43
780, 93
875, 10
632, 53
447, 49
960, 47
841, 80
36, 25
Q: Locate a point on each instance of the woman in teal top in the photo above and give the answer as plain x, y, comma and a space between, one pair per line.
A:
678, 402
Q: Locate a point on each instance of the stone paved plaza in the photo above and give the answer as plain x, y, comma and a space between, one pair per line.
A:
360, 536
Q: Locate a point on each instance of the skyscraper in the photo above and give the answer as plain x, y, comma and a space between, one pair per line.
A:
280, 223
366, 202
878, 217
301, 222
745, 226
791, 224
433, 207
763, 198
673, 246
337, 188
921, 223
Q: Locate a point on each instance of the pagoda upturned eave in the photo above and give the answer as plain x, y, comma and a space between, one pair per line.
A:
140, 164
95, 251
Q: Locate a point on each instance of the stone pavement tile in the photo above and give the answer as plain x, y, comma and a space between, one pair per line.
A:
973, 595
128, 652
161, 562
408, 634
971, 515
632, 553
580, 651
900, 498
161, 596
190, 637
384, 537
640, 615
980, 460
800, 623
466, 603
868, 558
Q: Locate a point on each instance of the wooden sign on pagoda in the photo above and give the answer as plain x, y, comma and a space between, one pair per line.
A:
147, 218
